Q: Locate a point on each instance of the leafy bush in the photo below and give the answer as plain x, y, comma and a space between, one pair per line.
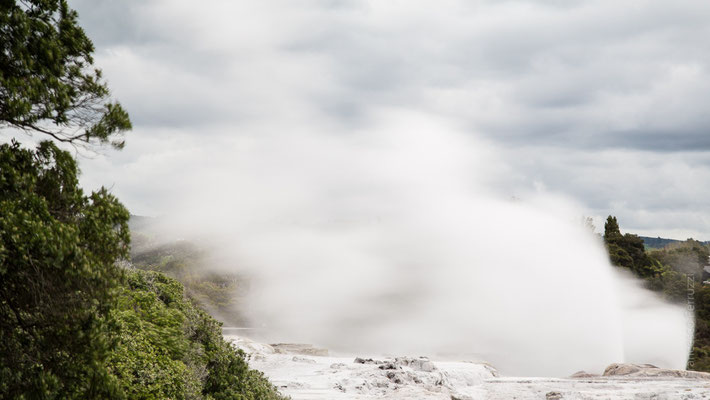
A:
170, 348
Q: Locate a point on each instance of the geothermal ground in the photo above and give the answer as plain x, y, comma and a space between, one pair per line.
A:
305, 372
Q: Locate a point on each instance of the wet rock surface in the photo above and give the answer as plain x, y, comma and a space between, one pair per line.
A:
584, 374
651, 371
553, 396
298, 348
300, 374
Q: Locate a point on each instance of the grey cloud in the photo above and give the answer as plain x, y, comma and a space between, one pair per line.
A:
647, 190
665, 141
559, 70
569, 77
110, 23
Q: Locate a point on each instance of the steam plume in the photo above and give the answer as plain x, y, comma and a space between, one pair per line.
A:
395, 240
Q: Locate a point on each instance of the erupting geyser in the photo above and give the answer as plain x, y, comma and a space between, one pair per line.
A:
394, 240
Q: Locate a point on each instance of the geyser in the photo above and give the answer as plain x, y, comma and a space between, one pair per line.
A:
396, 241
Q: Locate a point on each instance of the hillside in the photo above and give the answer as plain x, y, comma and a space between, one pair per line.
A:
168, 347
214, 289
659, 242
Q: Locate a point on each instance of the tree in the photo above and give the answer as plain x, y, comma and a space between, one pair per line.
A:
47, 81
58, 247
628, 251
73, 323
611, 229
687, 259
58, 277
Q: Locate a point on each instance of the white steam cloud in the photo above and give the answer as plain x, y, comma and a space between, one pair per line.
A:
394, 240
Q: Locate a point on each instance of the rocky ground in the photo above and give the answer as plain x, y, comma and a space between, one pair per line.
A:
305, 372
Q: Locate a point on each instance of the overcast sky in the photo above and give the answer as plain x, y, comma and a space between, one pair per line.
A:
605, 102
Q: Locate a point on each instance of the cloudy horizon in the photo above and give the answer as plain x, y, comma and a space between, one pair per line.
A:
601, 103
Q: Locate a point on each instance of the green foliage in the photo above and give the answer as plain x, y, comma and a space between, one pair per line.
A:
170, 348
611, 229
671, 284
57, 277
700, 355
73, 324
148, 358
687, 257
680, 261
47, 80
675, 272
218, 292
629, 252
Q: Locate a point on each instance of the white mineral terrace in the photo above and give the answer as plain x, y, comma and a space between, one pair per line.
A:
306, 372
